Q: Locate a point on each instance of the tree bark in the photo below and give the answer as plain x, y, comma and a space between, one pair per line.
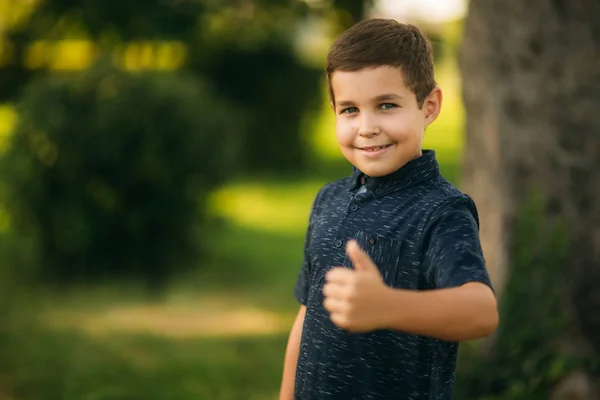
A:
531, 88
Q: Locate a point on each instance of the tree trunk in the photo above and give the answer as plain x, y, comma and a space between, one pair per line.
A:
531, 87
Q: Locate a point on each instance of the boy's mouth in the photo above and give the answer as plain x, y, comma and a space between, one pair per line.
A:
374, 148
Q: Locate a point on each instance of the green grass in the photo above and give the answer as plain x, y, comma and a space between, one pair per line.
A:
64, 365
248, 269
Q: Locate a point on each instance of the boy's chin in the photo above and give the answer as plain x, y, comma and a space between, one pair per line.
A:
376, 171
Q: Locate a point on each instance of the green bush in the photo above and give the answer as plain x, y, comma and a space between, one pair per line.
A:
277, 92
109, 171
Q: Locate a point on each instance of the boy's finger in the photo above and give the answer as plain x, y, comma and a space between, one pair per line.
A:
339, 275
360, 259
340, 320
333, 290
333, 305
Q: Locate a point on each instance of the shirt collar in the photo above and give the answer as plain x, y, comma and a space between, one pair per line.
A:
415, 171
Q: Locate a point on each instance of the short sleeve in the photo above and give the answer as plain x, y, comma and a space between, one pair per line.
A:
451, 251
302, 283
303, 280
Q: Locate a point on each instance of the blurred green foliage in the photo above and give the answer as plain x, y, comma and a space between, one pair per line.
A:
95, 181
275, 92
109, 171
247, 50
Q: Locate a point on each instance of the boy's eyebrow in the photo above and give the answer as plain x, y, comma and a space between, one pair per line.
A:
381, 97
388, 96
345, 103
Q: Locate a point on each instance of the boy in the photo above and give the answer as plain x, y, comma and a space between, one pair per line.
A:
393, 275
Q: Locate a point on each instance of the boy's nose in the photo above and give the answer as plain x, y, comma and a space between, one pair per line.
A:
368, 127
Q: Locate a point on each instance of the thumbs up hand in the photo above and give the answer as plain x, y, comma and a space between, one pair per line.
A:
356, 299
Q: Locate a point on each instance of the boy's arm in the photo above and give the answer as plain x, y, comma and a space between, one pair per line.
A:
291, 357
455, 314
301, 293
358, 300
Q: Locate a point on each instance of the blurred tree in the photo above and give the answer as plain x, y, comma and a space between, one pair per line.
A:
245, 49
109, 171
532, 94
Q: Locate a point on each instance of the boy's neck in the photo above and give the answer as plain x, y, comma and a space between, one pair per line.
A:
417, 170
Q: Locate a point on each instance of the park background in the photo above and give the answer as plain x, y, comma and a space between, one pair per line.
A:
158, 161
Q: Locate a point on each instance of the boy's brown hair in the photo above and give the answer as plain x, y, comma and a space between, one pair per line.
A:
378, 42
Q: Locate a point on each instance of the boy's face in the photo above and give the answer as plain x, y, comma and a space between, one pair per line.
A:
379, 124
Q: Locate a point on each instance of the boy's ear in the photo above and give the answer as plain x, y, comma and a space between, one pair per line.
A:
432, 105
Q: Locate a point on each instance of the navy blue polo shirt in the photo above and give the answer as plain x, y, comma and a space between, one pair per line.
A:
422, 233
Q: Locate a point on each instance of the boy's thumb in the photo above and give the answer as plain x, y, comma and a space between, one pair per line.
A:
360, 259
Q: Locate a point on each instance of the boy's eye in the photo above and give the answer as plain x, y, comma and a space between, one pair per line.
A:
387, 106
349, 110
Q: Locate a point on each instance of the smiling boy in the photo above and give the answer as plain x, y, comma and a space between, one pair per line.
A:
393, 274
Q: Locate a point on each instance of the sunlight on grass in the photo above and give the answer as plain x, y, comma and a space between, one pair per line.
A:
202, 318
274, 207
8, 119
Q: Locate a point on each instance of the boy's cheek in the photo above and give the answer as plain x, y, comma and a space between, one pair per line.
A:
341, 126
344, 134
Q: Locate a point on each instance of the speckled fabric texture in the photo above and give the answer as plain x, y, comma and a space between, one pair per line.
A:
422, 233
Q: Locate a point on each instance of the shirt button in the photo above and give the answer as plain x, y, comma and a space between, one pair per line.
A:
378, 190
353, 207
338, 243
